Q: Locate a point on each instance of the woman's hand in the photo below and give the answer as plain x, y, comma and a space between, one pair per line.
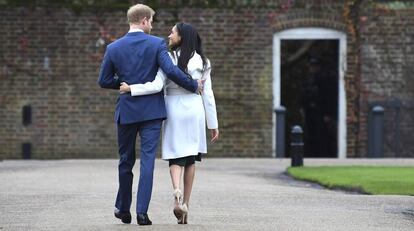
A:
124, 88
214, 135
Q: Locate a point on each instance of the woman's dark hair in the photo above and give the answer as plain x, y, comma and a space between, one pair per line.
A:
190, 43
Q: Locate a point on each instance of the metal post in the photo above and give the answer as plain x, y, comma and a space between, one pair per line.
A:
376, 133
26, 150
27, 120
27, 115
296, 146
280, 131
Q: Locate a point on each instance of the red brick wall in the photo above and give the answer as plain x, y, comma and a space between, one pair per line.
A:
50, 58
387, 53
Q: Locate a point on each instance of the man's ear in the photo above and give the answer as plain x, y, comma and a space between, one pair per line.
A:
143, 20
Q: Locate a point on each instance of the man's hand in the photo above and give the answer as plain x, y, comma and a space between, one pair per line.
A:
124, 88
214, 135
200, 85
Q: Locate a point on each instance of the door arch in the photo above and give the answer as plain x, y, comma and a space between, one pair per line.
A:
312, 33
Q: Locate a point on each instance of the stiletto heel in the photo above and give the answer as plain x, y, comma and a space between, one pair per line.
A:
178, 213
184, 216
177, 195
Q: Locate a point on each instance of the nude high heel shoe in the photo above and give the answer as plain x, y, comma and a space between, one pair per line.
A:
184, 216
178, 212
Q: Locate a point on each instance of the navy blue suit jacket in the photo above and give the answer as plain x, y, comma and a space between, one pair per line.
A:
135, 58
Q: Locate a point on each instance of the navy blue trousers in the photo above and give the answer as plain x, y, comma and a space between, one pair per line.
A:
149, 132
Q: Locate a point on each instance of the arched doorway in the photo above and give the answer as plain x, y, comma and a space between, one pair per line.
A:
308, 77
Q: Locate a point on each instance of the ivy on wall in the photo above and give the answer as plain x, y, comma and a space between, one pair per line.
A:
79, 5
351, 17
114, 5
395, 5
122, 4
355, 19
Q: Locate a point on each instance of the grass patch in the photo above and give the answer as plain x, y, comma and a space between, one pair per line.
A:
367, 179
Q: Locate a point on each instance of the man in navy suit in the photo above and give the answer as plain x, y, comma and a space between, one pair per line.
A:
135, 58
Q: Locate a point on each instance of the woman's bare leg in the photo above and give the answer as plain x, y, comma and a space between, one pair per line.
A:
175, 173
189, 173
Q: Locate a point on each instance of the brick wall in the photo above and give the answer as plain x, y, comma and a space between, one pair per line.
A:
387, 53
50, 58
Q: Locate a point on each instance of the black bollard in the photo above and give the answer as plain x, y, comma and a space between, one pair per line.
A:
280, 131
27, 120
26, 151
376, 132
27, 115
296, 146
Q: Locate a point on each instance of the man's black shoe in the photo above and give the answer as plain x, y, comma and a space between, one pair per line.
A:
125, 217
142, 219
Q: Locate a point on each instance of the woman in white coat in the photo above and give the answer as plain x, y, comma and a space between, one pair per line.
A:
184, 135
